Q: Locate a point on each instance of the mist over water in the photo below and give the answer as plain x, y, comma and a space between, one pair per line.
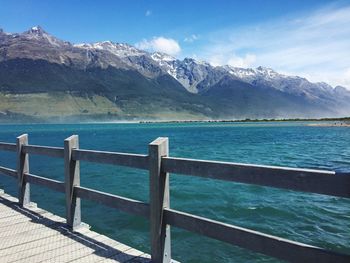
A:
311, 218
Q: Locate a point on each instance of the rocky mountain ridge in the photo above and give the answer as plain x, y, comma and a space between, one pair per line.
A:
217, 89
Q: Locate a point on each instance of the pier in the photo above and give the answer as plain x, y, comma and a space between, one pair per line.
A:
31, 234
39, 225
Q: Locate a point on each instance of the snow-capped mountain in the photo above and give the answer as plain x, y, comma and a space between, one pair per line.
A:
189, 72
118, 49
262, 76
37, 33
197, 75
220, 88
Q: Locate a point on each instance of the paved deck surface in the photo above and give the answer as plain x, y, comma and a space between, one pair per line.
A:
32, 234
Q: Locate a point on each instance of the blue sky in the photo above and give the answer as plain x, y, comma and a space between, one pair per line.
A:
306, 38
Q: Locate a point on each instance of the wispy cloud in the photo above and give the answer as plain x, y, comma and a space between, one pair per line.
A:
148, 13
160, 44
191, 38
315, 45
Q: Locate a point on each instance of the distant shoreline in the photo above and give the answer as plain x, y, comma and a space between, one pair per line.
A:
341, 122
335, 124
322, 122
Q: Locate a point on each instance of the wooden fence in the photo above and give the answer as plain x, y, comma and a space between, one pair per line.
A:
158, 211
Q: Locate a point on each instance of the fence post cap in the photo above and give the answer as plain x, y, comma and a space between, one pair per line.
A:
159, 140
71, 138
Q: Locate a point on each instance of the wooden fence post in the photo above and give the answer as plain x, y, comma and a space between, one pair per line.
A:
22, 168
159, 199
72, 178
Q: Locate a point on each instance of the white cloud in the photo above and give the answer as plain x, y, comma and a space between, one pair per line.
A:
315, 45
191, 38
160, 44
242, 62
341, 77
233, 60
148, 13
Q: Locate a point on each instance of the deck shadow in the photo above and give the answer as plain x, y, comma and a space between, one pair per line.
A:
104, 251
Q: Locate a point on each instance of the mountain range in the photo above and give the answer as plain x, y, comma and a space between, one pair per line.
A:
45, 78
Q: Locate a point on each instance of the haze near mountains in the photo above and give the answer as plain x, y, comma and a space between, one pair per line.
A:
42, 77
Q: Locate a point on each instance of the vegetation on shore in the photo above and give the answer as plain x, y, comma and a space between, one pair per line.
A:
344, 119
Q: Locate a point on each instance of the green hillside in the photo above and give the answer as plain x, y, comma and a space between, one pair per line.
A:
47, 90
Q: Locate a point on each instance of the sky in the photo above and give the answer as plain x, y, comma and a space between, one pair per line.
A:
305, 38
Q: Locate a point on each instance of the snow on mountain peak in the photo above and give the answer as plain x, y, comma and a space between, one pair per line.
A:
118, 49
36, 30
38, 33
250, 73
201, 62
242, 73
158, 56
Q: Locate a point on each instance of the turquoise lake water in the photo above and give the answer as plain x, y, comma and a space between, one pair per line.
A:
311, 218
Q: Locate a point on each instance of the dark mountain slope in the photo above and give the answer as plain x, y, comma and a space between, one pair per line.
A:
237, 99
127, 89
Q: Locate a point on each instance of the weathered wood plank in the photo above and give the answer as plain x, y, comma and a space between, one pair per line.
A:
6, 216
71, 179
124, 204
8, 172
108, 241
13, 221
54, 242
41, 245
16, 219
124, 159
11, 147
56, 230
28, 226
159, 199
83, 247
113, 248
22, 169
253, 240
47, 182
55, 250
307, 180
44, 150
20, 213
92, 250
28, 237
30, 211
63, 248
32, 249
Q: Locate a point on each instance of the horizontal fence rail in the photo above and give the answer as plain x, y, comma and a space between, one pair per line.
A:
307, 180
124, 204
49, 183
266, 244
8, 171
44, 150
124, 159
8, 146
158, 212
